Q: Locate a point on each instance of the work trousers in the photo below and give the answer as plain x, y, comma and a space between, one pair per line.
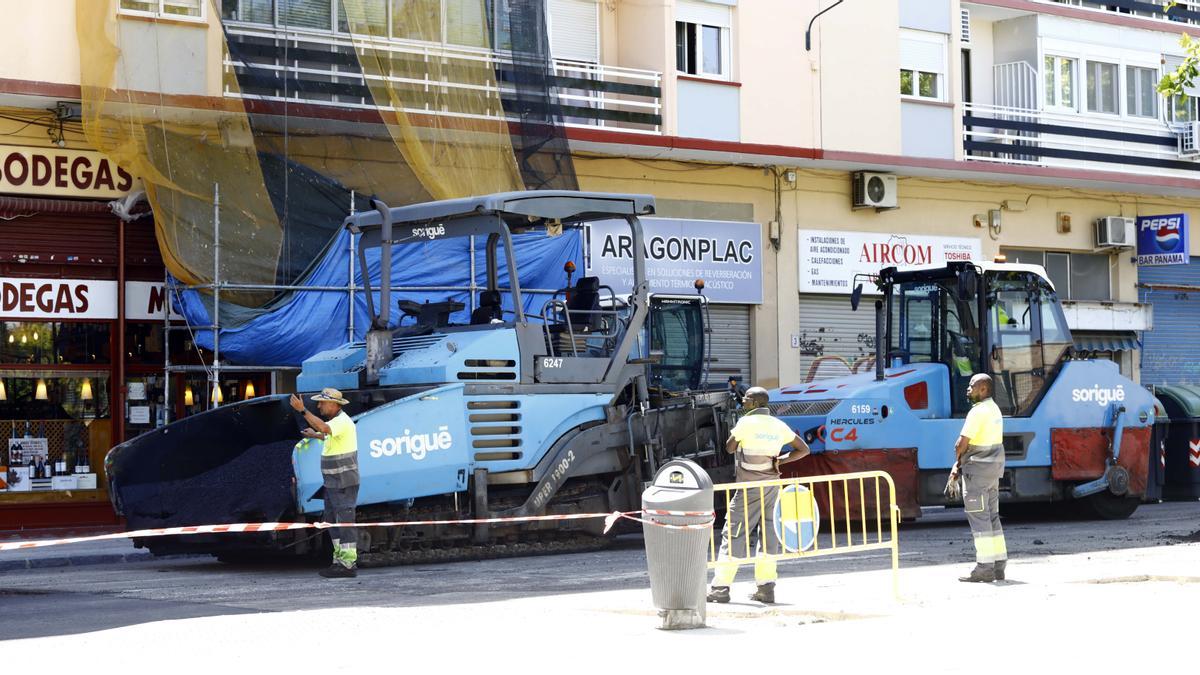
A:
749, 532
339, 508
981, 501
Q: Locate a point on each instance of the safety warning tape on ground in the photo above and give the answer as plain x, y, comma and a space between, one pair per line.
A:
609, 520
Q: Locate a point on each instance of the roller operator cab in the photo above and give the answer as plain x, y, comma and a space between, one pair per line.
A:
529, 402
1074, 429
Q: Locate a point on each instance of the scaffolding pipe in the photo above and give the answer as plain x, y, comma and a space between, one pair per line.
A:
350, 281
215, 374
166, 352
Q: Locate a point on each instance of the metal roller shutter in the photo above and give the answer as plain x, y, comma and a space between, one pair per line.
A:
834, 340
575, 30
1169, 353
730, 344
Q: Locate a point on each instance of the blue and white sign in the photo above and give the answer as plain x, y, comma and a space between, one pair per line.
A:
797, 518
727, 255
1162, 240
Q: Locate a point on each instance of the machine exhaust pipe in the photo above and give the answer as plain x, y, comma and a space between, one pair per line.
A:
385, 265
379, 338
880, 339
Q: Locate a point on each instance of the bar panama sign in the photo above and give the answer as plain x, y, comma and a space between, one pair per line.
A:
830, 259
70, 173
57, 299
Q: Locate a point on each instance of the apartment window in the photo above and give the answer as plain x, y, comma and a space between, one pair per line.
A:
1076, 276
249, 11
1102, 87
168, 9
923, 65
1060, 82
702, 39
1183, 109
373, 19
316, 14
1141, 99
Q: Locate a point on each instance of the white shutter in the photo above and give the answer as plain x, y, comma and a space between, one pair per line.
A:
729, 344
575, 30
706, 13
917, 53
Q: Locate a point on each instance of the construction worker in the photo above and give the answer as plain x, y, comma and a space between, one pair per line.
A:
339, 468
979, 455
755, 441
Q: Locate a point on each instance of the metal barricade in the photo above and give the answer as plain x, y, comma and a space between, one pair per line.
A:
791, 518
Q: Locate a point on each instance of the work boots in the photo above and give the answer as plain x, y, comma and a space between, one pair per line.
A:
998, 569
719, 594
765, 593
339, 571
983, 573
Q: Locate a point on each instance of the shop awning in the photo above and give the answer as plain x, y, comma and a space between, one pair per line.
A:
1106, 342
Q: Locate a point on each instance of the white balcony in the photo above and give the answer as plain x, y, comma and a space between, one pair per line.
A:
321, 68
1022, 135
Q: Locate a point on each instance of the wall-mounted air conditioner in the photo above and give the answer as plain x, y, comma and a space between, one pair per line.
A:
1115, 232
870, 190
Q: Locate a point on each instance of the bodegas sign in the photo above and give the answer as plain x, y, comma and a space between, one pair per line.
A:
94, 299
62, 173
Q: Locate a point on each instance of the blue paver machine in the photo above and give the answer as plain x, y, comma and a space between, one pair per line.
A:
1074, 429
562, 409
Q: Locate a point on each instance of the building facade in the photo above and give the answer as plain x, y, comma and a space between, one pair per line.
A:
993, 127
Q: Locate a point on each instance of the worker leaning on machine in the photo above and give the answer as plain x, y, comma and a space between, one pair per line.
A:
756, 442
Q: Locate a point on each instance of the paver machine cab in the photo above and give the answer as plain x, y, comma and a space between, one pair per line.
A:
1074, 429
513, 413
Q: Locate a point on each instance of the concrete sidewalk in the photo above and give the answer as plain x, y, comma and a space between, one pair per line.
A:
1109, 611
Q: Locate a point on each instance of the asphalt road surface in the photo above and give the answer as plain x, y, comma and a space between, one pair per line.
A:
61, 601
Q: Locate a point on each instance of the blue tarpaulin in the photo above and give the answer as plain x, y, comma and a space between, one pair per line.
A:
302, 323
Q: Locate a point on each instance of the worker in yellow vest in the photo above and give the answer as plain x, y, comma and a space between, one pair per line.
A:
979, 461
339, 468
756, 442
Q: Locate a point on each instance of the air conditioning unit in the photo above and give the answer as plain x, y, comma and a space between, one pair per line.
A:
1189, 139
1115, 232
873, 190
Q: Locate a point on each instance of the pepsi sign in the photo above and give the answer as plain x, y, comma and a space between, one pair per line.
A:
1162, 240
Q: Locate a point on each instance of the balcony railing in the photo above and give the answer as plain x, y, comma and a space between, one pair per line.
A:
1018, 135
1177, 11
321, 68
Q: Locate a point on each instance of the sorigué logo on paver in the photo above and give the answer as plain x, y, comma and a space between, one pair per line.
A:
1098, 395
414, 445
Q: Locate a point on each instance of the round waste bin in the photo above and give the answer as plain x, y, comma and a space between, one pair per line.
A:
1182, 403
678, 558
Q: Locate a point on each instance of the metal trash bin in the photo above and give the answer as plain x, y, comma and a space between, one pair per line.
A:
678, 558
1182, 470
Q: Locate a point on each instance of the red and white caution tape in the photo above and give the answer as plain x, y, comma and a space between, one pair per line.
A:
1194, 453
609, 520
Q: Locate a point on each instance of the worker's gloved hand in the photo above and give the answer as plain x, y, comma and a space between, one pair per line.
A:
953, 492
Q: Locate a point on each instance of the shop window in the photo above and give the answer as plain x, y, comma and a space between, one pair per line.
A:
144, 346
54, 343
55, 428
172, 9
